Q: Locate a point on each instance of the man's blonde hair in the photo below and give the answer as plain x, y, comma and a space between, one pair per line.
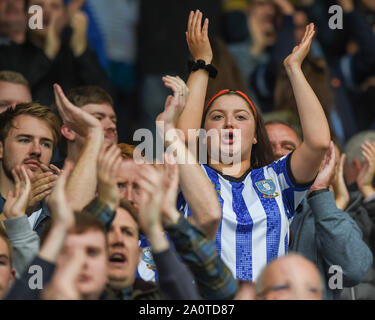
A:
14, 77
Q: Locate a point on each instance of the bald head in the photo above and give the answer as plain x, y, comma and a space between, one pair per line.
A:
283, 139
292, 277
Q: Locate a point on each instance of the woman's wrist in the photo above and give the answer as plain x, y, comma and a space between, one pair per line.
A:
366, 191
206, 59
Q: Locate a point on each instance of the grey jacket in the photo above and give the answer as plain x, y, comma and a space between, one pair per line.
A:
363, 214
25, 242
328, 236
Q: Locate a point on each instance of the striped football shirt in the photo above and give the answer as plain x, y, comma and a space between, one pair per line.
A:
256, 209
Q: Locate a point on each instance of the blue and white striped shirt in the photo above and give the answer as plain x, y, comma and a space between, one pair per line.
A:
256, 208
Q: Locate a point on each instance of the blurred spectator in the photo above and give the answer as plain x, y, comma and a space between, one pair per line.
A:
7, 273
292, 277
14, 89
56, 53
12, 21
359, 174
117, 25
317, 74
269, 39
350, 54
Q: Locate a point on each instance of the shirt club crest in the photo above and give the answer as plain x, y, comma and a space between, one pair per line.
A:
267, 188
148, 259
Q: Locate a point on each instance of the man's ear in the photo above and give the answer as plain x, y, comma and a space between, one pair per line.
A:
1, 150
255, 141
68, 133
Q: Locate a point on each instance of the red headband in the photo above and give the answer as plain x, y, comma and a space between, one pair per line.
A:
240, 93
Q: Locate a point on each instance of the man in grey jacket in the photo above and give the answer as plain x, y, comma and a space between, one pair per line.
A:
320, 231
24, 241
359, 174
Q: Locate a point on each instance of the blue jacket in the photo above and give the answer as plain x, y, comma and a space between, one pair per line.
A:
328, 236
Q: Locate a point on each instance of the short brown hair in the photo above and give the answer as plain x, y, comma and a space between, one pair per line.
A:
128, 150
14, 77
84, 95
4, 236
32, 109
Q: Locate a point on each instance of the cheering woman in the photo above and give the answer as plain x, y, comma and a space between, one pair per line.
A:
260, 197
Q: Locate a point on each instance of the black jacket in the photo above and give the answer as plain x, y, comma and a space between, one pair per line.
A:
41, 72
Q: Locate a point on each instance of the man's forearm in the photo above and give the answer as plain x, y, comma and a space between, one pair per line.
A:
25, 242
203, 201
81, 186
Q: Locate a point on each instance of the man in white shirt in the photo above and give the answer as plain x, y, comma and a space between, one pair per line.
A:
28, 134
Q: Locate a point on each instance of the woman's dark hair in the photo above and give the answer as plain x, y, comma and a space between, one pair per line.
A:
261, 153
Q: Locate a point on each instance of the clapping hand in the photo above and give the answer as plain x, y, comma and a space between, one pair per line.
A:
109, 162
75, 118
326, 171
17, 199
174, 105
340, 190
300, 52
367, 172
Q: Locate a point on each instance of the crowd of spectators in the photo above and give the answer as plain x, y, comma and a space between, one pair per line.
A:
79, 200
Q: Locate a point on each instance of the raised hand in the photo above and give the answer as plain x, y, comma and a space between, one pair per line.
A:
64, 283
174, 105
109, 162
197, 37
62, 213
17, 199
367, 172
151, 181
78, 42
300, 52
326, 171
75, 118
339, 187
170, 185
57, 24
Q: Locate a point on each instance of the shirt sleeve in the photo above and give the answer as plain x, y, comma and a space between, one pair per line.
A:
292, 192
175, 280
32, 282
102, 211
214, 279
25, 242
